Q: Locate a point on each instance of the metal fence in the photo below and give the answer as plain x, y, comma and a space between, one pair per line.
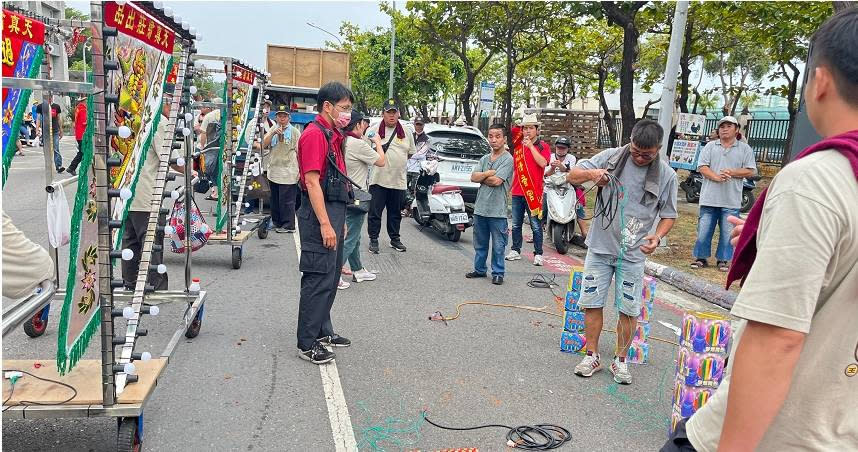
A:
767, 137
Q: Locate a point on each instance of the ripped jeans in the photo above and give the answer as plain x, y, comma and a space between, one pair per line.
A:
599, 271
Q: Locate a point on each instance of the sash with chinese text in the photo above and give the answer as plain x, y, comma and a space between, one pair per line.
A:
532, 193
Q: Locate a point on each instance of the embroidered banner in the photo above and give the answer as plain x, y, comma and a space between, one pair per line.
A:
144, 50
22, 50
531, 194
242, 84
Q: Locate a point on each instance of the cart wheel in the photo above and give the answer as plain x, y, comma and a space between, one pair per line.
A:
262, 231
36, 326
194, 328
236, 258
128, 438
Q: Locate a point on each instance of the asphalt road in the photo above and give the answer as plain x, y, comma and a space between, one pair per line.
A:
239, 385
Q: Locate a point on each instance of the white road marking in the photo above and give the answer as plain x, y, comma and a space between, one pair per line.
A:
338, 410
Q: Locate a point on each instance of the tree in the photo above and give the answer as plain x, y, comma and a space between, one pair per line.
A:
519, 30
455, 27
739, 69
623, 14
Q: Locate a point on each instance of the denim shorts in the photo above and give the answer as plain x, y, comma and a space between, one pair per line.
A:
599, 270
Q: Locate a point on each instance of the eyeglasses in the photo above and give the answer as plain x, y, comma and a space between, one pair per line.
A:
636, 152
343, 108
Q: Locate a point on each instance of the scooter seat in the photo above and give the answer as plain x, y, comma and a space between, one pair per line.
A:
437, 189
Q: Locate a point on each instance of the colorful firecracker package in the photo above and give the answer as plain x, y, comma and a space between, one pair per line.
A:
639, 348
574, 321
572, 339
649, 284
701, 359
571, 342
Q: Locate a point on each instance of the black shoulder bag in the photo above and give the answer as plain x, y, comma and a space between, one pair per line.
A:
362, 197
337, 186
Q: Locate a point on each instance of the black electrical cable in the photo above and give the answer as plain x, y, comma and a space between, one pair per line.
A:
29, 402
525, 437
541, 281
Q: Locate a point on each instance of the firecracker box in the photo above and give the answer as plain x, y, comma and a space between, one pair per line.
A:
705, 332
648, 299
574, 321
572, 342
638, 353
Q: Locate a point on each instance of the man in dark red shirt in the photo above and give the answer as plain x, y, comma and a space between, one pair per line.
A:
79, 129
321, 221
530, 156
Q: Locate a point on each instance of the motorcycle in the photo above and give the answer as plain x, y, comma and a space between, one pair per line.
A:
560, 203
439, 206
692, 184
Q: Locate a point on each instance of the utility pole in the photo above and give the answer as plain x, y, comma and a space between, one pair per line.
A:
668, 94
392, 47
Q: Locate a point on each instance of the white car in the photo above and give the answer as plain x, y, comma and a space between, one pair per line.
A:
459, 149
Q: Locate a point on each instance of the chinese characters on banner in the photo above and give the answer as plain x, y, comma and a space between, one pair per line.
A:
22, 51
242, 85
684, 153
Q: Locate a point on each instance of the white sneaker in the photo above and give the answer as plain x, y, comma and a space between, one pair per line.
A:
537, 260
363, 275
588, 366
343, 284
620, 369
513, 256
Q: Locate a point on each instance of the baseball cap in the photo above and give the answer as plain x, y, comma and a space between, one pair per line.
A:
282, 109
390, 105
419, 121
729, 119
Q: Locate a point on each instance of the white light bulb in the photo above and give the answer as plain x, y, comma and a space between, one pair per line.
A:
247, 204
127, 312
178, 19
124, 132
238, 153
180, 161
125, 194
193, 31
127, 254
174, 194
168, 11
162, 269
168, 230
185, 25
120, 2
145, 356
154, 310
250, 187
192, 89
189, 117
158, 5
266, 97
186, 131
199, 36
130, 369
244, 222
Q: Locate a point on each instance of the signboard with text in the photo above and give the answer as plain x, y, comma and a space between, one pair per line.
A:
487, 96
689, 124
684, 154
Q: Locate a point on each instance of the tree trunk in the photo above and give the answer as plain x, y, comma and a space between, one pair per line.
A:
685, 65
424, 110
792, 108
466, 98
627, 79
696, 101
840, 6
609, 119
507, 101
736, 101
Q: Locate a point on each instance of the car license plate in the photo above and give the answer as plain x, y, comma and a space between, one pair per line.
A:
463, 168
458, 218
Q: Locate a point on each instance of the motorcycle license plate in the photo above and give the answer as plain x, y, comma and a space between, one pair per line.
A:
463, 168
458, 218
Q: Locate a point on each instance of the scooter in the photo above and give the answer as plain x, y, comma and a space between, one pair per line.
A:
439, 206
560, 203
692, 184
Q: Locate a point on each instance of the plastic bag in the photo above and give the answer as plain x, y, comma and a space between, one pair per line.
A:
59, 219
200, 231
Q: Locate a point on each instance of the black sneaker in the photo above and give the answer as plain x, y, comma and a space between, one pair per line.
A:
497, 280
397, 245
335, 341
61, 170
578, 241
474, 274
373, 246
72, 171
317, 354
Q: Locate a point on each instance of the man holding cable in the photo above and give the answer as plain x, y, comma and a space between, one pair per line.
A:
636, 187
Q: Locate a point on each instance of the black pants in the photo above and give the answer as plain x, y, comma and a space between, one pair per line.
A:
283, 204
136, 225
384, 198
321, 272
77, 157
678, 440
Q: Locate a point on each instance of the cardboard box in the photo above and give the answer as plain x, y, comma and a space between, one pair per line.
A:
572, 342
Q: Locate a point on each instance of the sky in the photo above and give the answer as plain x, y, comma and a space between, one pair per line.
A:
241, 29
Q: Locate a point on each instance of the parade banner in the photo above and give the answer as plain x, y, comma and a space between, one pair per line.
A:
144, 49
22, 51
79, 317
533, 198
242, 85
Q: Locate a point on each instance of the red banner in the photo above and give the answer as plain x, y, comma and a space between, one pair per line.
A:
133, 22
21, 28
533, 198
243, 74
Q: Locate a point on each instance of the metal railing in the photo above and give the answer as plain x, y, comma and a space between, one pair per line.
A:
767, 137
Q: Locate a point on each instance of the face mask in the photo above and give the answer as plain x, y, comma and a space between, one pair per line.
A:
343, 119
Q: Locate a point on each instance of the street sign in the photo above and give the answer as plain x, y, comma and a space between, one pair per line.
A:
487, 96
684, 154
689, 124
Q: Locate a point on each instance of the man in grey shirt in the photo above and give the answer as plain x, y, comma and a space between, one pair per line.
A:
724, 163
636, 188
494, 174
